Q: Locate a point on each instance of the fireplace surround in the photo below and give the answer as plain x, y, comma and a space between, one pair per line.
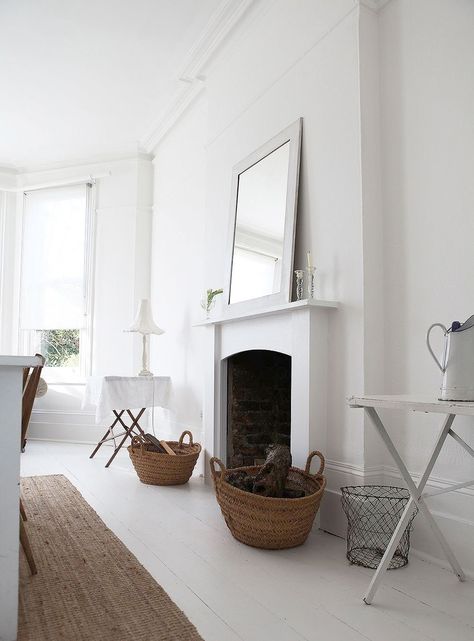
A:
298, 330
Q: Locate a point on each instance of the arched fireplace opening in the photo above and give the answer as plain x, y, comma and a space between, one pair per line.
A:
258, 405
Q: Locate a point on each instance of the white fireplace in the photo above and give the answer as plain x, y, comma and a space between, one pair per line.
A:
298, 329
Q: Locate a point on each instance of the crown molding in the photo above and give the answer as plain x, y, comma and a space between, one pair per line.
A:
8, 169
181, 101
8, 178
127, 154
224, 19
373, 5
220, 24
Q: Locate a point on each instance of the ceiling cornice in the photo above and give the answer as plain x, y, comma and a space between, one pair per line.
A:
127, 153
373, 5
181, 101
227, 15
8, 178
221, 23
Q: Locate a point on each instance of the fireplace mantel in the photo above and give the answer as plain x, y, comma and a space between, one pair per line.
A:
230, 316
300, 330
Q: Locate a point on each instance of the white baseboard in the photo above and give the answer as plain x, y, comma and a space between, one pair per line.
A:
80, 427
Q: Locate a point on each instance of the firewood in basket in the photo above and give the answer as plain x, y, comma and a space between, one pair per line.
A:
156, 443
167, 448
293, 493
271, 479
241, 480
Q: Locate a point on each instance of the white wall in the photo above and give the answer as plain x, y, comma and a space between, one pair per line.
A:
387, 103
427, 99
121, 279
255, 88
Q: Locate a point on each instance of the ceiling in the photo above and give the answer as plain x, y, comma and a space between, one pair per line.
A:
83, 79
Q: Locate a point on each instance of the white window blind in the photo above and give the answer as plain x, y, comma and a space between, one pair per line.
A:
52, 258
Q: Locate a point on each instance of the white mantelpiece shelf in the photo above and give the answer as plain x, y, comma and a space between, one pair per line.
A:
268, 311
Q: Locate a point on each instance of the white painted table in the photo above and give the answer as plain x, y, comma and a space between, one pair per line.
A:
417, 404
11, 386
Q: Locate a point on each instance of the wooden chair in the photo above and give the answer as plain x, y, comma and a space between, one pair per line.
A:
30, 386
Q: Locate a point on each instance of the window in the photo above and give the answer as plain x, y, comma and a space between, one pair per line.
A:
56, 279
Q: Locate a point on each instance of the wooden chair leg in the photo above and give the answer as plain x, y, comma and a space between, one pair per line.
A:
25, 543
22, 511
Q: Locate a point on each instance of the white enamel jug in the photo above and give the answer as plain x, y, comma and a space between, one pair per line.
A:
457, 364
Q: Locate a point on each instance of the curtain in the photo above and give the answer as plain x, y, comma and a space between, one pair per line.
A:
52, 258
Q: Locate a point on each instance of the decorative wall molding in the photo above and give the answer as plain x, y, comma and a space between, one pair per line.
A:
373, 5
226, 17
125, 154
221, 23
182, 100
67, 413
390, 474
355, 470
8, 178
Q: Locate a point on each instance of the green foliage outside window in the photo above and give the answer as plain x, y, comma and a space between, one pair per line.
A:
60, 347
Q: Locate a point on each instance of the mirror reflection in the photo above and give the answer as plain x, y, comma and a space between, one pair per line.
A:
260, 227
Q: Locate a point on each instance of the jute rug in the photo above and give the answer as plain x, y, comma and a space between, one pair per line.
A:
88, 586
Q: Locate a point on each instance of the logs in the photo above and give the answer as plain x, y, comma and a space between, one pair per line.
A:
271, 479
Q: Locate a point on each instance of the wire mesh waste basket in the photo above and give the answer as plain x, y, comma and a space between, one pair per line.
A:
373, 512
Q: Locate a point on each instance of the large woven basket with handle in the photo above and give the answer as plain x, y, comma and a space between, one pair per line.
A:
155, 468
265, 522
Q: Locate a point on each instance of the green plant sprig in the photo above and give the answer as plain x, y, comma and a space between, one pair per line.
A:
211, 294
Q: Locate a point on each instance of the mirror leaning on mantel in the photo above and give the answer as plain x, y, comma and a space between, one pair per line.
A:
263, 222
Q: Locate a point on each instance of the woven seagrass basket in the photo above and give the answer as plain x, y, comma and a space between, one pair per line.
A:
265, 522
155, 468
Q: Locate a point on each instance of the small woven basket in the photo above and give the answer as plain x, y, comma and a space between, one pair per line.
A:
265, 522
155, 468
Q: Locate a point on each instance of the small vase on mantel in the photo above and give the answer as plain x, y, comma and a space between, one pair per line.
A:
299, 276
310, 281
208, 301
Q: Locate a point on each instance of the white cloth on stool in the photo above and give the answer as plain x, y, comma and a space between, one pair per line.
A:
125, 392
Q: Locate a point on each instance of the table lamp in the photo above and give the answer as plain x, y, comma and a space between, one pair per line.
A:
145, 325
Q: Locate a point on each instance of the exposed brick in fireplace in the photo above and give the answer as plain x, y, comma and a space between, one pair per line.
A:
258, 405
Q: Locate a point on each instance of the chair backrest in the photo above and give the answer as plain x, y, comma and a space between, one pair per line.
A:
30, 385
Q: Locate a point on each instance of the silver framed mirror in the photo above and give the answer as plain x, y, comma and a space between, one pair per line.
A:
262, 224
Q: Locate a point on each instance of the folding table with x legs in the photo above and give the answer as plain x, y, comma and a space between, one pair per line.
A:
450, 409
112, 393
129, 431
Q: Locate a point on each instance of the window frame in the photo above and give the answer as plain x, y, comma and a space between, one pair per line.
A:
27, 341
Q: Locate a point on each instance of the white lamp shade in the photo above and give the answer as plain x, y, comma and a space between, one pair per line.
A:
144, 322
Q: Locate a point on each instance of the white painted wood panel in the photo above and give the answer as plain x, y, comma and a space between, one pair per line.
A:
11, 381
414, 403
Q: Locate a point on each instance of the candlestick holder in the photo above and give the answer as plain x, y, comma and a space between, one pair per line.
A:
299, 275
310, 284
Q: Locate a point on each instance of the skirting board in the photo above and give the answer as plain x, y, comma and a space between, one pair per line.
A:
66, 432
76, 427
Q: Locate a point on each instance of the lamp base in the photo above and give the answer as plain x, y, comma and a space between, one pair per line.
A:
145, 372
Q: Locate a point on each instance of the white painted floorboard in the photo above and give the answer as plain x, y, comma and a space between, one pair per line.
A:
232, 592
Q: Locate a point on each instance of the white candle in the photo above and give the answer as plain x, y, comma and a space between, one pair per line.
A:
308, 257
